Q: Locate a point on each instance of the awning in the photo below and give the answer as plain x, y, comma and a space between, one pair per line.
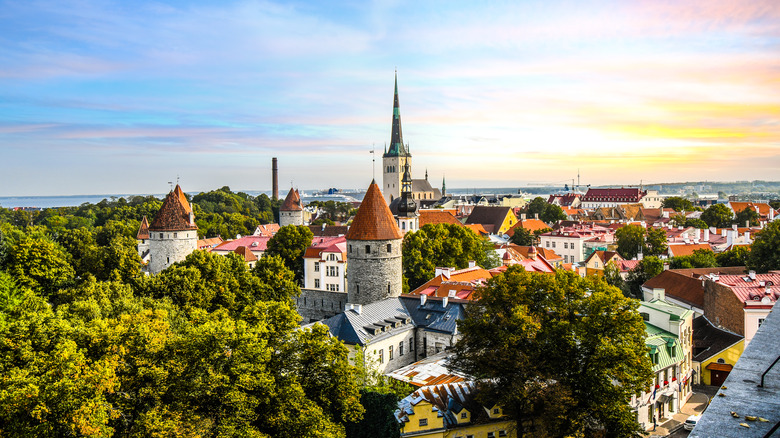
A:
714, 366
663, 398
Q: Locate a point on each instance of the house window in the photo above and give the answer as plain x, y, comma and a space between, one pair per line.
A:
333, 287
316, 266
175, 234
316, 283
423, 422
390, 353
368, 249
565, 245
389, 247
401, 348
547, 244
403, 227
332, 257
332, 271
496, 411
596, 264
411, 344
381, 356
501, 433
553, 244
350, 249
464, 415
491, 435
760, 321
161, 235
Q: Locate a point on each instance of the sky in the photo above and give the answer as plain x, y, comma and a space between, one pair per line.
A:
102, 97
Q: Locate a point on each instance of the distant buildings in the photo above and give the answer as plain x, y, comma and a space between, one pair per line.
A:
171, 236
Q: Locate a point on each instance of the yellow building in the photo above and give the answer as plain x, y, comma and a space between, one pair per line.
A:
450, 411
495, 220
595, 264
715, 351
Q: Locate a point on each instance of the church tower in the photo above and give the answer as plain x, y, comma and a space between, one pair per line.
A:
291, 211
407, 208
373, 252
173, 234
397, 157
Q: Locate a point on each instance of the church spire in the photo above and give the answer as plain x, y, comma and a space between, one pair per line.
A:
443, 187
396, 137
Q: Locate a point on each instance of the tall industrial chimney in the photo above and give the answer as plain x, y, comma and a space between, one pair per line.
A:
275, 176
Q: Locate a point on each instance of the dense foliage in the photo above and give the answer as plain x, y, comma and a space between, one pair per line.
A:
91, 347
765, 250
633, 239
565, 353
717, 215
548, 213
677, 203
443, 245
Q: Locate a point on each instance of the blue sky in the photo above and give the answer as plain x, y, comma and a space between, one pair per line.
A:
121, 97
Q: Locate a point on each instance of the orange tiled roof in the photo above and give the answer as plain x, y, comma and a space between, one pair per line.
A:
477, 228
529, 224
246, 254
437, 217
143, 231
292, 202
373, 220
686, 250
174, 215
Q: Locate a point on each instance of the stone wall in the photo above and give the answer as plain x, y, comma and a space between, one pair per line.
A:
427, 341
373, 272
290, 218
316, 305
172, 247
723, 308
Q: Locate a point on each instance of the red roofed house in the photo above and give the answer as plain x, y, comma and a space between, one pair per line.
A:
325, 264
596, 198
438, 216
529, 224
266, 230
597, 261
740, 303
678, 250
495, 220
533, 262
247, 255
685, 287
256, 244
173, 234
571, 200
454, 284
142, 240
572, 241
765, 211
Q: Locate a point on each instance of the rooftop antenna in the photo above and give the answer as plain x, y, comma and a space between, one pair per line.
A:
373, 162
578, 178
170, 184
177, 180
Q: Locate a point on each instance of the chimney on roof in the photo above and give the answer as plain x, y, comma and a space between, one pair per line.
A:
734, 227
357, 308
730, 237
423, 299
522, 216
771, 214
747, 236
752, 275
472, 264
536, 215
444, 301
706, 235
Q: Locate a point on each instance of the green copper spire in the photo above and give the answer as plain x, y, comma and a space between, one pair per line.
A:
397, 148
443, 186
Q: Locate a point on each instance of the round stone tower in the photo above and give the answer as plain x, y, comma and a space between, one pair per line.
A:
291, 211
173, 234
373, 252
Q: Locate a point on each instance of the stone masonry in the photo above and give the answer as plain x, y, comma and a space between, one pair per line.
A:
374, 271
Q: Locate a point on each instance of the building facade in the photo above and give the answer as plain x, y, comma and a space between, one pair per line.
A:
173, 234
291, 210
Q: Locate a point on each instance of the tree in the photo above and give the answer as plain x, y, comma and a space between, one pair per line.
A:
39, 264
701, 258
290, 243
648, 268
630, 240
552, 213
378, 420
577, 348
448, 245
747, 217
737, 256
278, 281
537, 206
522, 237
717, 215
765, 250
612, 275
677, 203
655, 242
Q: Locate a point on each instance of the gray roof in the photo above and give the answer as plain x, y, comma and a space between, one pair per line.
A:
709, 340
376, 321
422, 185
386, 318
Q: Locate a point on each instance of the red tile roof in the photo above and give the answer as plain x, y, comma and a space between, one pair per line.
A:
325, 244
143, 231
266, 230
254, 243
246, 254
686, 250
373, 220
437, 217
748, 290
174, 215
613, 195
529, 224
210, 243
292, 202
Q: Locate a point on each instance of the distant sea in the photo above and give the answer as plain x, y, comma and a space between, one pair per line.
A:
76, 200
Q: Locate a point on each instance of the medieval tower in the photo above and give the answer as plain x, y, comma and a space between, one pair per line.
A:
173, 234
396, 158
374, 251
291, 211
407, 208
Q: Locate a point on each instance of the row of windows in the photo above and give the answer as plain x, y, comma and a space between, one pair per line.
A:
331, 287
175, 235
390, 350
368, 249
332, 271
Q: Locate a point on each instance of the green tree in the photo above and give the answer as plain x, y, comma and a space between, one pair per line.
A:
737, 256
552, 213
747, 216
290, 243
717, 215
630, 240
655, 242
612, 276
678, 204
701, 258
378, 420
448, 245
765, 250
537, 206
522, 237
39, 264
278, 281
577, 349
647, 268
